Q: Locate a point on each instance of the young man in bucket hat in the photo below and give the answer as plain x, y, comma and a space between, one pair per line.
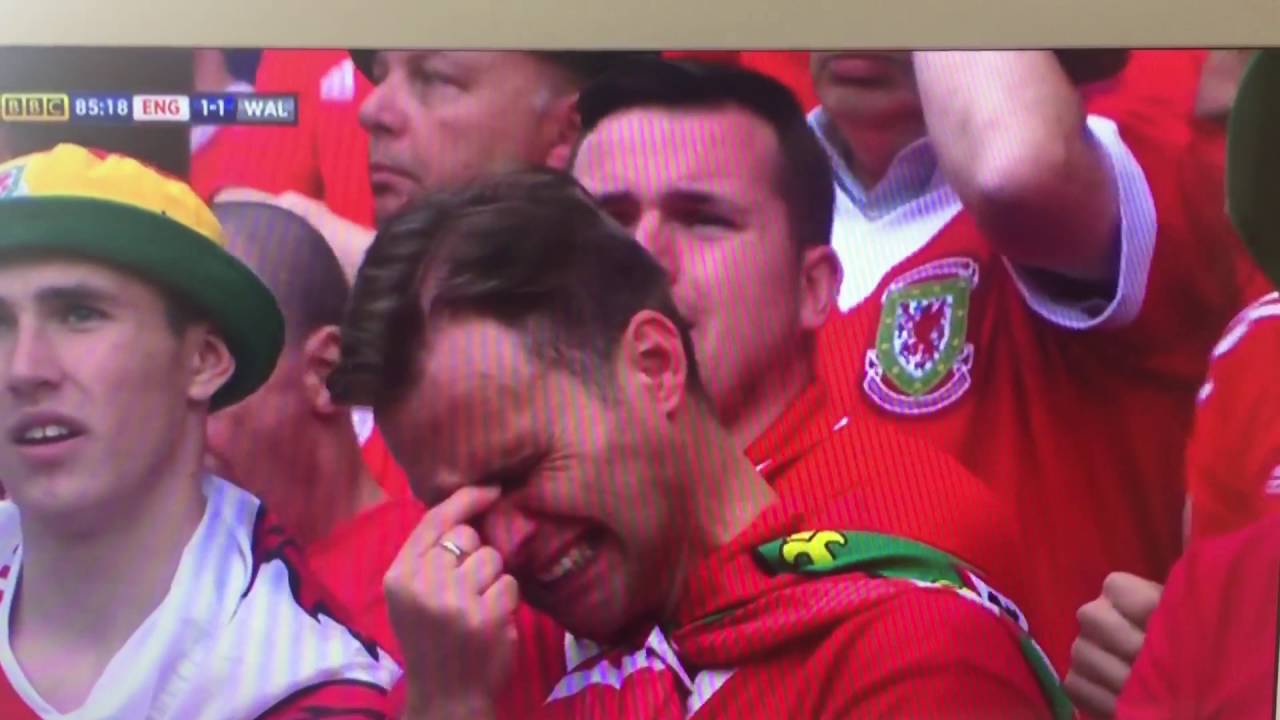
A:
132, 584
1210, 647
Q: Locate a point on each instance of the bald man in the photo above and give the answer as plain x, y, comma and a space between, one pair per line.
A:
289, 443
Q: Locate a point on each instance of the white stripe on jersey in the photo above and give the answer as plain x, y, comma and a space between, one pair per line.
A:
362, 421
339, 83
223, 645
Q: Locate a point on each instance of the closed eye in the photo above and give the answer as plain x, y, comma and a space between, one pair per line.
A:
512, 476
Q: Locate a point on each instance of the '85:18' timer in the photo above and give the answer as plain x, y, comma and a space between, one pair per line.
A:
213, 109
101, 108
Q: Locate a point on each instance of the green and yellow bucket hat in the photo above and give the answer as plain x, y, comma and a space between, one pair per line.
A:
113, 209
1253, 162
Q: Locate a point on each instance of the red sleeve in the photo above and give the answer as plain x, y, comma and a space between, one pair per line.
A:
1234, 450
935, 654
271, 159
335, 699
1159, 685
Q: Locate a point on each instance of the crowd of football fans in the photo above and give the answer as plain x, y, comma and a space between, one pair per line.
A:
988, 303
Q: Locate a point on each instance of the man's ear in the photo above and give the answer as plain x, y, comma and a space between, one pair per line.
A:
321, 352
819, 287
654, 360
209, 361
564, 126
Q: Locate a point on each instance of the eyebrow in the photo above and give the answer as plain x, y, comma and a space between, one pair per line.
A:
702, 198
69, 294
683, 197
79, 292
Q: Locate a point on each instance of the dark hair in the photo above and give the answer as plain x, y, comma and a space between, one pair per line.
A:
805, 179
178, 313
588, 66
528, 249
292, 259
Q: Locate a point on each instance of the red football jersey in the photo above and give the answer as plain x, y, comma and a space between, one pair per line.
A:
1075, 413
1211, 645
886, 482
904, 486
1233, 457
754, 637
352, 561
377, 456
325, 156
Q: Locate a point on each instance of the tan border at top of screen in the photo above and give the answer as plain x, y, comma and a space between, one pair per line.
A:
628, 24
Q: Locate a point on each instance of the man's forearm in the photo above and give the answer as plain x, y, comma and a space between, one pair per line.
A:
1009, 132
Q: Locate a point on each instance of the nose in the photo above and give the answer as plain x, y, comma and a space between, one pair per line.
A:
379, 113
508, 529
33, 362
655, 235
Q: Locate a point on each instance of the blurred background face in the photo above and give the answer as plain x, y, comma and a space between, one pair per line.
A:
439, 118
584, 521
262, 441
95, 388
871, 88
698, 190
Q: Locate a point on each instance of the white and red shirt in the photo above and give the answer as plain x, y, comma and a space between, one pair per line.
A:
243, 634
377, 456
1233, 458
1076, 410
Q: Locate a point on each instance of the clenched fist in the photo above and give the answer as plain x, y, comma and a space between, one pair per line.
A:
1112, 630
453, 610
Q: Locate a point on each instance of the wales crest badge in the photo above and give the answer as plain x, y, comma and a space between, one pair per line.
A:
922, 359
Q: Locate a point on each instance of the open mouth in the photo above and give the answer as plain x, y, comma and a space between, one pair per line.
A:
44, 431
570, 561
45, 435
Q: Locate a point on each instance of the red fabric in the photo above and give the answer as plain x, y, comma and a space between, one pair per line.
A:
341, 698
1157, 89
1233, 457
13, 707
352, 561
888, 483
1080, 431
1234, 447
1210, 650
390, 476
324, 156
832, 647
789, 67
902, 485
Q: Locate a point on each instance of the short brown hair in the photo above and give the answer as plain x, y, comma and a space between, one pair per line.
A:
528, 249
804, 180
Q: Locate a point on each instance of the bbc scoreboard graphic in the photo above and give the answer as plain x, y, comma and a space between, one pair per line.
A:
127, 108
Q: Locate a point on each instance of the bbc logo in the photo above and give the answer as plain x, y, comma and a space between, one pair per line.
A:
34, 107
